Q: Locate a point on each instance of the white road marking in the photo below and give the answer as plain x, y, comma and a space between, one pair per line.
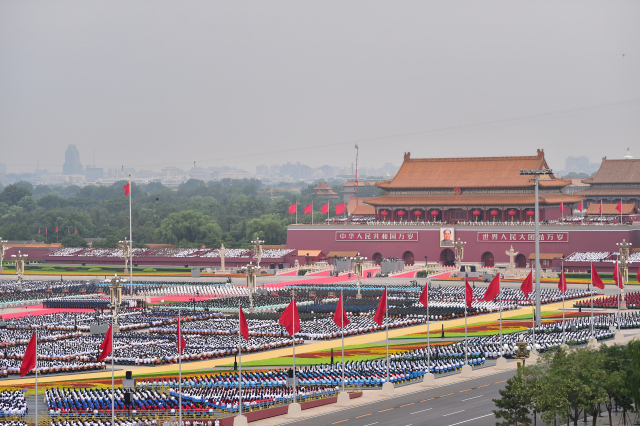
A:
371, 424
470, 420
472, 398
421, 411
450, 414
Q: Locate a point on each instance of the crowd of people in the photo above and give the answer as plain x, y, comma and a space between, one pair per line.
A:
12, 403
631, 299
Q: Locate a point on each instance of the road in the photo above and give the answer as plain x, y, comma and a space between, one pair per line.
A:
465, 403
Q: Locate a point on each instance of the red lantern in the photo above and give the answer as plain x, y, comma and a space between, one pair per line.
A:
494, 212
477, 212
531, 213
418, 213
384, 213
434, 212
401, 213
512, 212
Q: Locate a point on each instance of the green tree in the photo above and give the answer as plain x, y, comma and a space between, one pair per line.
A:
513, 406
189, 227
12, 194
109, 242
270, 227
73, 240
28, 204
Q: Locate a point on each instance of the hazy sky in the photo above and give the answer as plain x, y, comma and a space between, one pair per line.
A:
149, 84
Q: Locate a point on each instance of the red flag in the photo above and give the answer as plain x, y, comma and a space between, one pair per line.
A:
38, 230
579, 208
56, 229
340, 316
244, 327
181, 343
68, 230
46, 231
527, 284
127, 189
617, 278
493, 290
562, 284
308, 209
382, 308
325, 209
75, 230
638, 275
595, 278
29, 357
424, 297
468, 294
107, 344
290, 319
619, 206
562, 206
340, 208
293, 208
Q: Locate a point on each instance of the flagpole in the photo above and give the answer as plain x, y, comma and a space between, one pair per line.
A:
466, 360
342, 326
36, 376
296, 212
500, 301
564, 288
240, 359
428, 345
179, 336
130, 242
619, 279
113, 413
312, 212
591, 286
386, 313
293, 327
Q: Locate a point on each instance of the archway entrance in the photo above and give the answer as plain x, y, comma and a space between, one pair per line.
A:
407, 256
521, 261
377, 258
487, 259
447, 257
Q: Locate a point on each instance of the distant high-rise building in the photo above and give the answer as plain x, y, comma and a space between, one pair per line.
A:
72, 164
3, 169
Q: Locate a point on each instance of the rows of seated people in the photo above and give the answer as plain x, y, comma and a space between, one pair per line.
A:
10, 337
12, 403
631, 299
587, 256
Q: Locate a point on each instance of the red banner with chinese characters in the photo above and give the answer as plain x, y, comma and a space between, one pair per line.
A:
376, 236
522, 237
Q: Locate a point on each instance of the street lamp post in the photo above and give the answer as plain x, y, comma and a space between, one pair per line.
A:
20, 259
257, 250
522, 352
115, 291
2, 252
459, 252
536, 174
251, 284
624, 271
358, 269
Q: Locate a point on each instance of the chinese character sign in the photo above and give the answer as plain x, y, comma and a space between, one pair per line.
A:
376, 236
528, 237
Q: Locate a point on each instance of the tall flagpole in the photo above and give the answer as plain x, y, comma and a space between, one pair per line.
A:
36, 376
591, 286
428, 345
619, 279
113, 354
312, 212
386, 313
466, 348
296, 212
500, 302
130, 242
620, 211
293, 327
179, 371
564, 288
240, 359
342, 326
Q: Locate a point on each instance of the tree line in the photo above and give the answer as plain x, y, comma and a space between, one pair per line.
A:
570, 384
197, 213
